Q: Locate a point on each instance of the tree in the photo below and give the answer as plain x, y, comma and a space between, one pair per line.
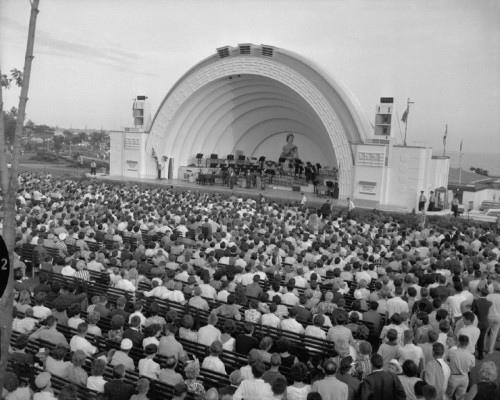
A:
10, 124
82, 137
9, 183
58, 143
95, 138
68, 135
44, 132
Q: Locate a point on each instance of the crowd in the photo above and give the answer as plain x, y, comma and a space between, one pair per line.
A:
430, 296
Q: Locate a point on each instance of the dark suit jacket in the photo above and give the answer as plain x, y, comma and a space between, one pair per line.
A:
244, 343
119, 390
135, 336
70, 298
481, 308
303, 314
119, 311
103, 311
381, 385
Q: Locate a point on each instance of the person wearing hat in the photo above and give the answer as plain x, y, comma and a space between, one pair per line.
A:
61, 247
395, 367
122, 356
43, 384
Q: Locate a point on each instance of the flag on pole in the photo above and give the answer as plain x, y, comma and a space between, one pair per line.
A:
461, 145
445, 134
405, 115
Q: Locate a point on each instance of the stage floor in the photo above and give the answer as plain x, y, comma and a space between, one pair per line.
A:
268, 193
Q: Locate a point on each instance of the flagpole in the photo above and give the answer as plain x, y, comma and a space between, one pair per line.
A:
460, 166
444, 140
406, 116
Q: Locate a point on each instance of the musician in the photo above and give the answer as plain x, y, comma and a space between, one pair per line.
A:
225, 175
298, 168
231, 175
290, 150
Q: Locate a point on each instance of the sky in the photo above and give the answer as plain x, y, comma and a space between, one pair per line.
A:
92, 57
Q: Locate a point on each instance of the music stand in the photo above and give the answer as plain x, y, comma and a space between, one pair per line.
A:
199, 156
213, 160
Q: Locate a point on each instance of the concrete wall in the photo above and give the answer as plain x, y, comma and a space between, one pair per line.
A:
438, 172
479, 197
127, 154
116, 154
370, 173
407, 175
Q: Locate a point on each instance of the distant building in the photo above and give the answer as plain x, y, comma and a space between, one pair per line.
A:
472, 189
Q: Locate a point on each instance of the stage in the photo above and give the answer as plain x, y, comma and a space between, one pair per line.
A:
270, 193
277, 181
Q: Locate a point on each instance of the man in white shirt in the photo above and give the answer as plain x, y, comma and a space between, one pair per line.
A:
78, 342
410, 352
397, 304
291, 323
470, 330
456, 300
125, 284
39, 310
255, 388
159, 291
271, 319
209, 333
138, 306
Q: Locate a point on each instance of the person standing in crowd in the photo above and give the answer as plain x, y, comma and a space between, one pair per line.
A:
454, 206
437, 371
432, 202
381, 384
461, 362
487, 387
93, 167
330, 388
350, 207
480, 308
421, 201
493, 317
